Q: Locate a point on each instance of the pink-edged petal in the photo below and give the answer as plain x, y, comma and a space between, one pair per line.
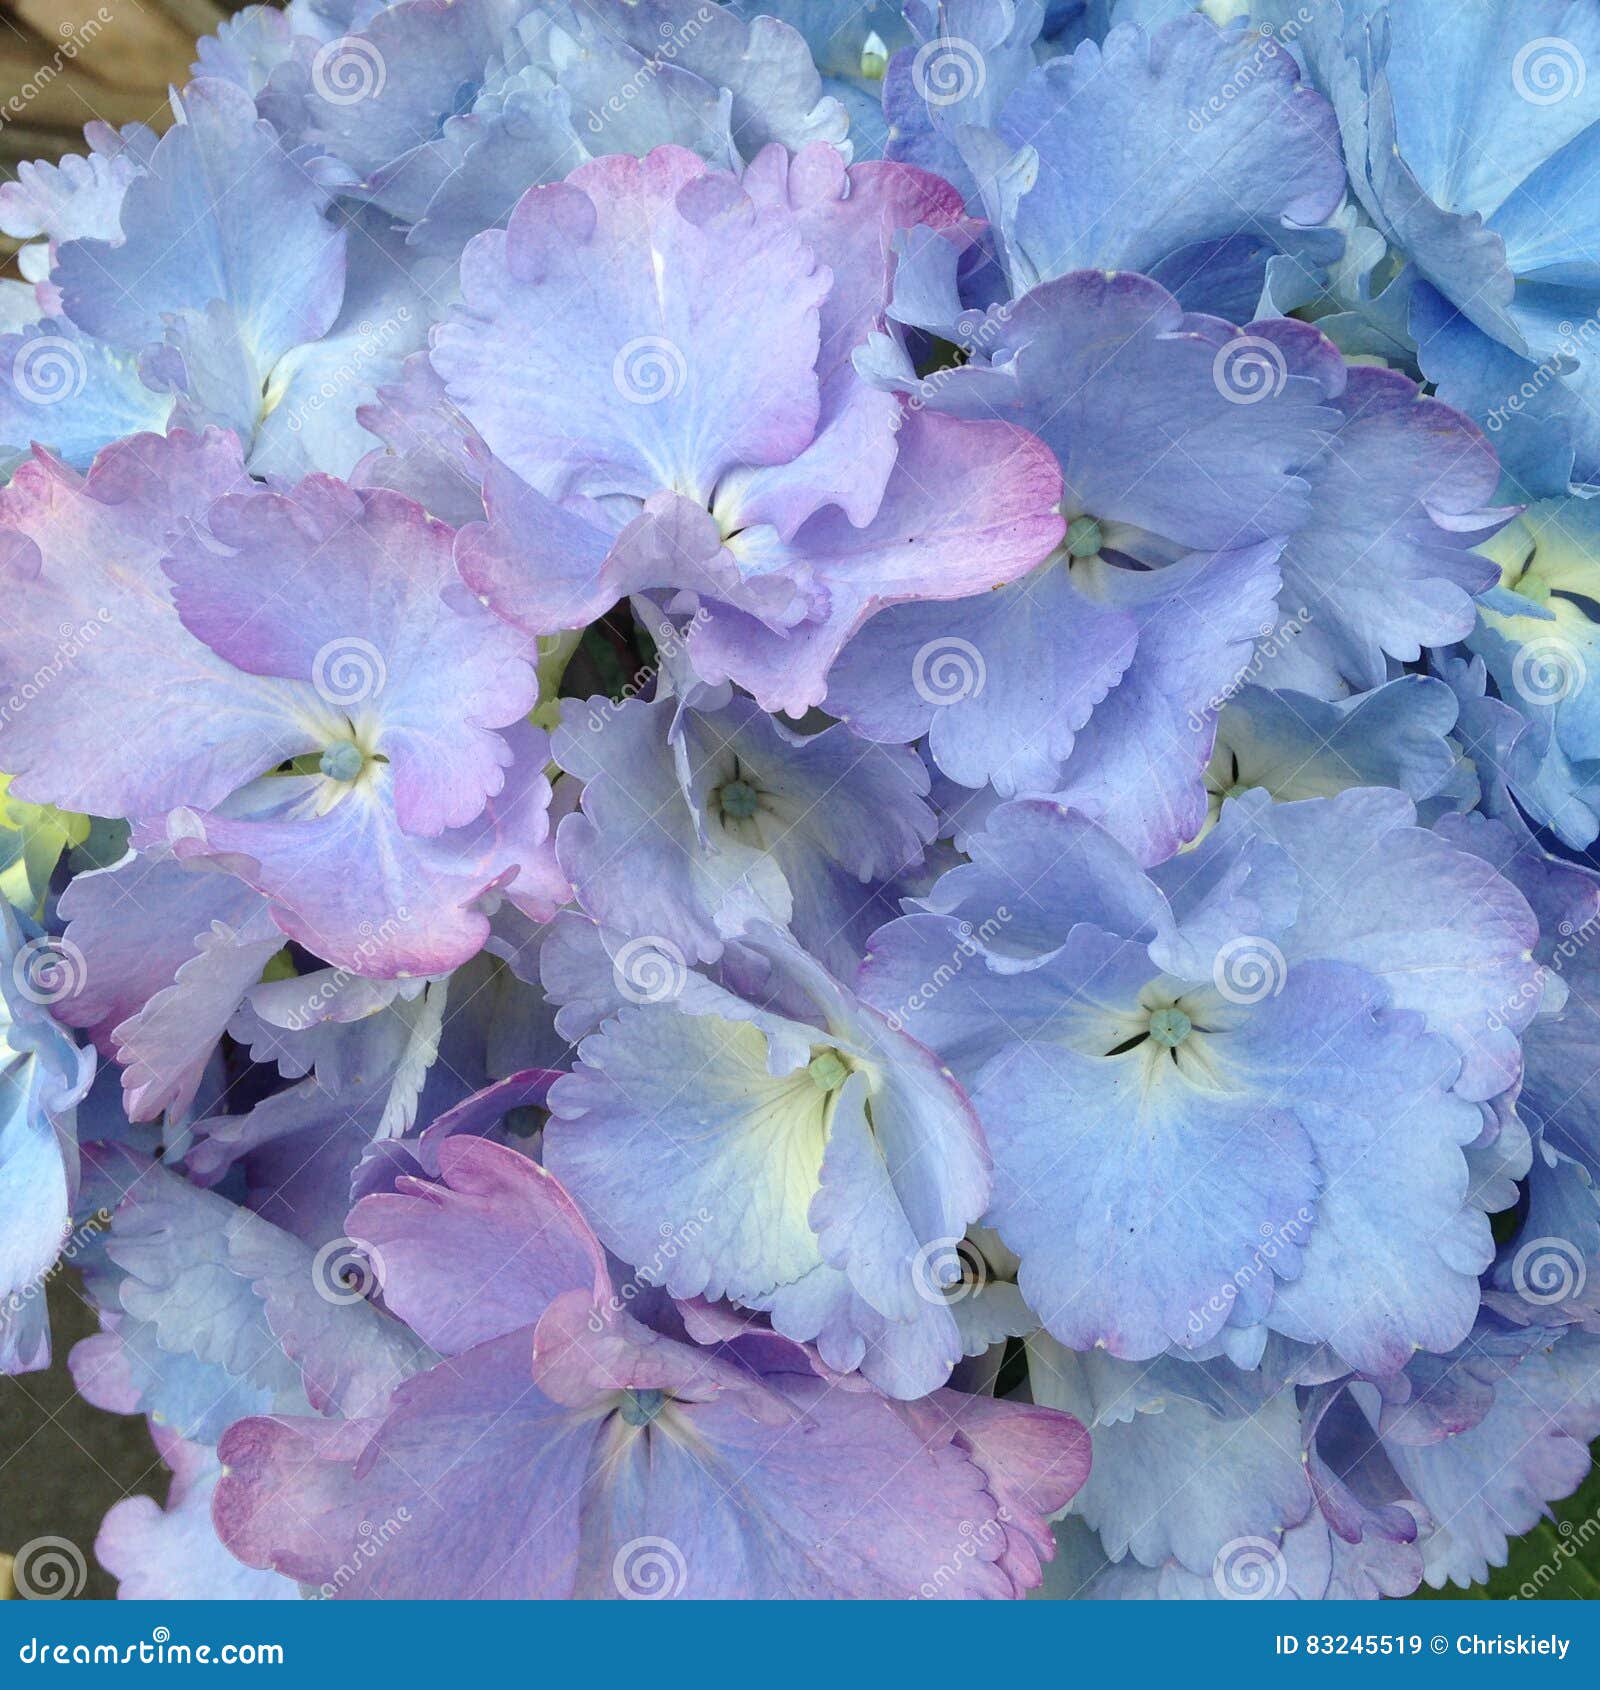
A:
173, 1554
1035, 1459
582, 1353
547, 566
430, 452
358, 892
168, 954
482, 1253
843, 1501
970, 505
644, 325
119, 711
165, 1048
472, 1483
851, 219
135, 925
355, 595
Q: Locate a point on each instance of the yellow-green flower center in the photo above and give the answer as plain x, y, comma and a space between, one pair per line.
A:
1084, 537
828, 1070
1170, 1027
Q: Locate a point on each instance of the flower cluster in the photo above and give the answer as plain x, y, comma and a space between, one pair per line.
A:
797, 795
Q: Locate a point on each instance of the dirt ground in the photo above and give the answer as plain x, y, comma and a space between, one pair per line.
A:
63, 1463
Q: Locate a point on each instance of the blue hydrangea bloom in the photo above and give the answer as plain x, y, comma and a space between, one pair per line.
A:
822, 1161
635, 1426
816, 786
1239, 996
694, 824
1310, 524
1468, 134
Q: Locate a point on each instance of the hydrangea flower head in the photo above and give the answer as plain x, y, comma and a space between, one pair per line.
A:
797, 797
779, 491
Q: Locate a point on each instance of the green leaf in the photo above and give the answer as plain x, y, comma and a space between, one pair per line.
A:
1559, 1560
